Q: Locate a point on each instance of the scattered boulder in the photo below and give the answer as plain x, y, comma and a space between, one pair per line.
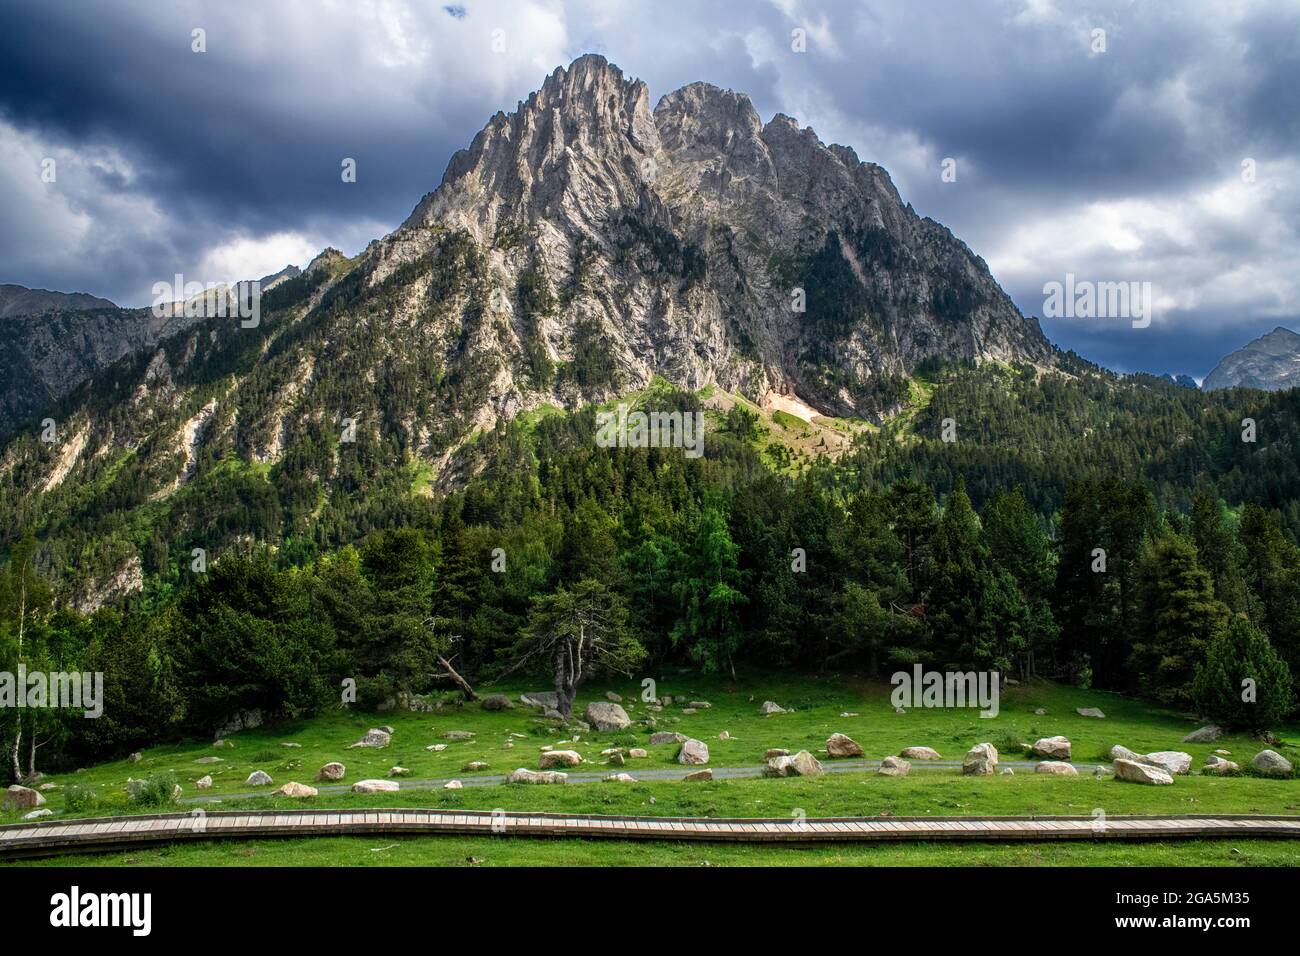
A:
700, 704
617, 759
436, 748
612, 697
693, 752
523, 775
1058, 747
204, 782
770, 707
920, 753
1007, 772
259, 778
243, 720
475, 765
331, 771
544, 699
375, 737
725, 735
806, 765
689, 710
1040, 712
1120, 752
1135, 772
1058, 767
841, 745
638, 753
705, 774
1170, 761
375, 786
559, 758
292, 789
22, 798
210, 760
1100, 772
398, 772
497, 702
1204, 735
458, 735
621, 778
604, 716
1271, 763
980, 760
135, 758
452, 785
290, 744
894, 767
1217, 766
1089, 712
775, 752
668, 737
37, 814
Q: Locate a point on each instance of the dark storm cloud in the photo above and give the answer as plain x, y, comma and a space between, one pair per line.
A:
1123, 164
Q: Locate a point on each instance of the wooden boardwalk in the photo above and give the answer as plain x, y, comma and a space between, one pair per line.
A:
48, 838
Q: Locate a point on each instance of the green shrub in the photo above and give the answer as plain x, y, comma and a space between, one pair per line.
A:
155, 791
79, 799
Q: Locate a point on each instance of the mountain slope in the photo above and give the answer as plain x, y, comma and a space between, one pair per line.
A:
1271, 363
581, 248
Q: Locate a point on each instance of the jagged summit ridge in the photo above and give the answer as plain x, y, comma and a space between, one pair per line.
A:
680, 234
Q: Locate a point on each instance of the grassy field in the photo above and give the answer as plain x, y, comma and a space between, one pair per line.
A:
820, 707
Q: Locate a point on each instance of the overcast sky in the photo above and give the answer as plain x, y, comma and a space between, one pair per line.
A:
1122, 164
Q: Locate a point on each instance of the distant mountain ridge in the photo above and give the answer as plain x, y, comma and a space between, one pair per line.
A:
18, 300
1271, 363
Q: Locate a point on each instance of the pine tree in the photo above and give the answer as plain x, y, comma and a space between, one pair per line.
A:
1243, 683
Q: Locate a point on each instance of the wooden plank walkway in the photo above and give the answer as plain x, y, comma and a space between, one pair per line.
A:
48, 838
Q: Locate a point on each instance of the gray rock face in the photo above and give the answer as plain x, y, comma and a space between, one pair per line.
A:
1170, 761
259, 778
1204, 735
332, 771
605, 715
771, 707
497, 702
700, 191
1089, 712
1271, 363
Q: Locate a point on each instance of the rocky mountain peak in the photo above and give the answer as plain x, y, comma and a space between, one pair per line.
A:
1271, 362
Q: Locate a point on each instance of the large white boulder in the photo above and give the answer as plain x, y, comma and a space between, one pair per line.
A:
259, 778
1135, 772
375, 786
842, 745
980, 760
693, 752
1058, 747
